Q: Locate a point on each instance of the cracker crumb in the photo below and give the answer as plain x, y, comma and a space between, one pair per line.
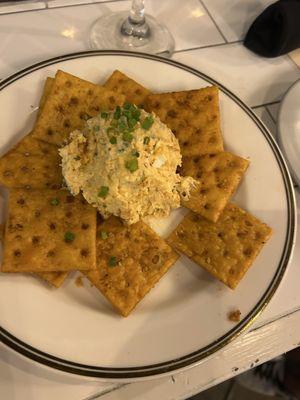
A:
234, 316
78, 281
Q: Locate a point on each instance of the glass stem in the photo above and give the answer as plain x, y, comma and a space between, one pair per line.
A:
136, 24
137, 12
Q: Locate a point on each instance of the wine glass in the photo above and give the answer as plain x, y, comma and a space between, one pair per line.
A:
132, 31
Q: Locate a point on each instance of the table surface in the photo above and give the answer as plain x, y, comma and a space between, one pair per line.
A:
208, 36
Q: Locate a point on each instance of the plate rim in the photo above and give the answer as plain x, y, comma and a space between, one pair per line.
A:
167, 367
296, 175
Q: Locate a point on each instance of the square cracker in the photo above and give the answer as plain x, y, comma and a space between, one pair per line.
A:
32, 163
142, 258
219, 176
227, 248
55, 279
20, 168
193, 116
37, 234
133, 91
69, 104
29, 145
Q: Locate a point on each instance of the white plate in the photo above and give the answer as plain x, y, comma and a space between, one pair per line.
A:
184, 319
289, 129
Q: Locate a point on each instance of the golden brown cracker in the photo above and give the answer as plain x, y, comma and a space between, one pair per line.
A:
69, 104
219, 176
30, 146
132, 90
19, 169
227, 248
49, 230
193, 116
28, 170
55, 279
130, 261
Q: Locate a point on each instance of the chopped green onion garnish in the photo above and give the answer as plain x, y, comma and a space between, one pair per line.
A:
127, 137
146, 140
132, 165
147, 123
103, 235
113, 140
69, 237
127, 106
54, 202
112, 262
132, 122
136, 113
96, 128
104, 115
117, 113
122, 124
103, 192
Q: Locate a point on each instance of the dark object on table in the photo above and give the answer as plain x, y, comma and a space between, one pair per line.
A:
276, 31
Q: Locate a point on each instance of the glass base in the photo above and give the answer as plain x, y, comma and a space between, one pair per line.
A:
106, 34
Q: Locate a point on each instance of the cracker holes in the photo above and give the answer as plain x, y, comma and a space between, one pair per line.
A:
35, 240
60, 108
248, 252
70, 199
84, 253
172, 114
73, 101
67, 123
